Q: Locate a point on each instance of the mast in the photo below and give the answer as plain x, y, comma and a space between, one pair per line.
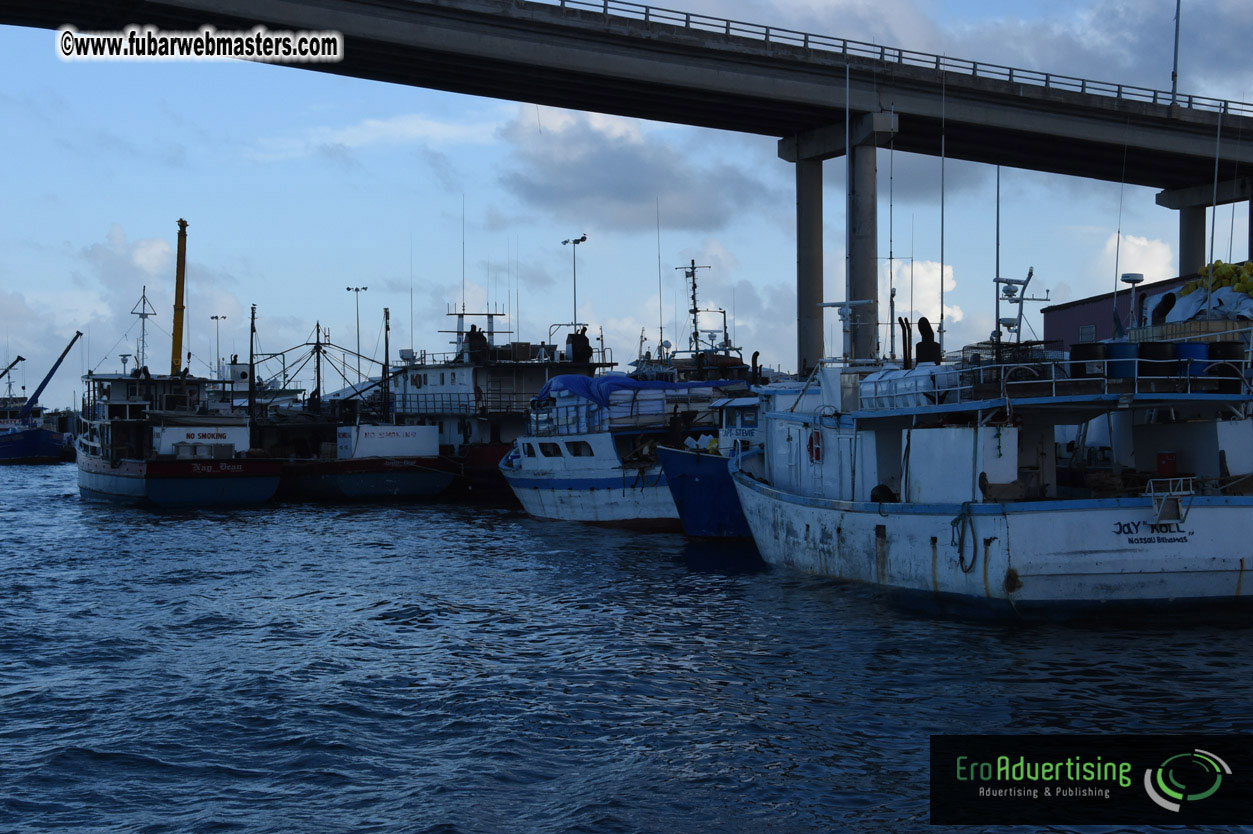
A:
180, 280
252, 365
12, 364
143, 308
387, 371
317, 369
34, 398
690, 272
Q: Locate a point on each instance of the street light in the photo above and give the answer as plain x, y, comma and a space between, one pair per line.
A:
358, 291
1174, 70
574, 252
217, 359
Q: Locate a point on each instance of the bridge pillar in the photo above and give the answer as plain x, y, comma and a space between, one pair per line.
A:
863, 254
1192, 202
1191, 239
809, 348
806, 151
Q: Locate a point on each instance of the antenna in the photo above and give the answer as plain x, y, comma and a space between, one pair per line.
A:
411, 286
661, 307
997, 266
517, 292
943, 149
891, 272
848, 203
911, 273
463, 252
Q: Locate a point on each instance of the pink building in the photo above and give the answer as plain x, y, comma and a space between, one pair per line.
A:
1092, 319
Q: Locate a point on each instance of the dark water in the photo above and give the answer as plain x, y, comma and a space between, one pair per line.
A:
440, 669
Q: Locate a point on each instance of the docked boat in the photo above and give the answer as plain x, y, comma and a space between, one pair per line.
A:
349, 445
27, 434
943, 483
477, 396
372, 463
591, 451
171, 439
147, 439
698, 473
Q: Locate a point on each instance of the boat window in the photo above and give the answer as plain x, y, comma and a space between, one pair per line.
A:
441, 378
529, 449
424, 379
453, 380
579, 448
748, 418
1087, 333
550, 450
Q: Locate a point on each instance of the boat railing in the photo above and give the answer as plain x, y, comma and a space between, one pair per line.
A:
1062, 378
536, 354
586, 417
483, 402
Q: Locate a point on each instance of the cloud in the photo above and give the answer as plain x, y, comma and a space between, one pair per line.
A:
1106, 40
339, 142
1153, 258
614, 172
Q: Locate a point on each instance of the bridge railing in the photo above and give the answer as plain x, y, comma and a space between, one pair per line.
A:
895, 55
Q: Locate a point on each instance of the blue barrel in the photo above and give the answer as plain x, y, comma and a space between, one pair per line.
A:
1193, 358
1121, 358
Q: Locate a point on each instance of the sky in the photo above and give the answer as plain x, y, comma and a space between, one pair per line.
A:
297, 184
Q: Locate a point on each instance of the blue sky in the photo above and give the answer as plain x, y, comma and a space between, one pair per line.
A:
299, 183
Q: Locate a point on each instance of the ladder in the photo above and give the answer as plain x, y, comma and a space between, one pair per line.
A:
1172, 498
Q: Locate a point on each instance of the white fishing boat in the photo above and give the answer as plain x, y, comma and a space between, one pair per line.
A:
945, 483
591, 451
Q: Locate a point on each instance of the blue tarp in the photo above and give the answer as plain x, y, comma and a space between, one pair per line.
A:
597, 389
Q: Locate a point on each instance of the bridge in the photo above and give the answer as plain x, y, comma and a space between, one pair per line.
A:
628, 59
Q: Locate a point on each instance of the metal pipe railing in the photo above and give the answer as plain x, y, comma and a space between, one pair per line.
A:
1055, 372
696, 21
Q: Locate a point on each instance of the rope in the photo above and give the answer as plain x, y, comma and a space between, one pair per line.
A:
957, 538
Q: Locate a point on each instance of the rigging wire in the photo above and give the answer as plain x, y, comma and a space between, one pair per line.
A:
115, 344
1218, 141
943, 160
891, 219
1235, 173
1122, 187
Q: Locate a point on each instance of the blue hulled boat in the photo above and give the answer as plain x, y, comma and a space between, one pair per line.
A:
24, 439
698, 474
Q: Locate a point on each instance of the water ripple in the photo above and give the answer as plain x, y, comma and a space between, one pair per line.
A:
444, 669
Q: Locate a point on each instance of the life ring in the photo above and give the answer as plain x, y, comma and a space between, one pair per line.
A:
815, 447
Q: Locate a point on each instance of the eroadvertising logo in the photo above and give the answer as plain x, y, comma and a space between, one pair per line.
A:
1052, 779
1192, 776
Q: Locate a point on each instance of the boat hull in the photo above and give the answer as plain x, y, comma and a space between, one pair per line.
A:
366, 479
639, 499
478, 476
1035, 560
32, 445
704, 494
179, 483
